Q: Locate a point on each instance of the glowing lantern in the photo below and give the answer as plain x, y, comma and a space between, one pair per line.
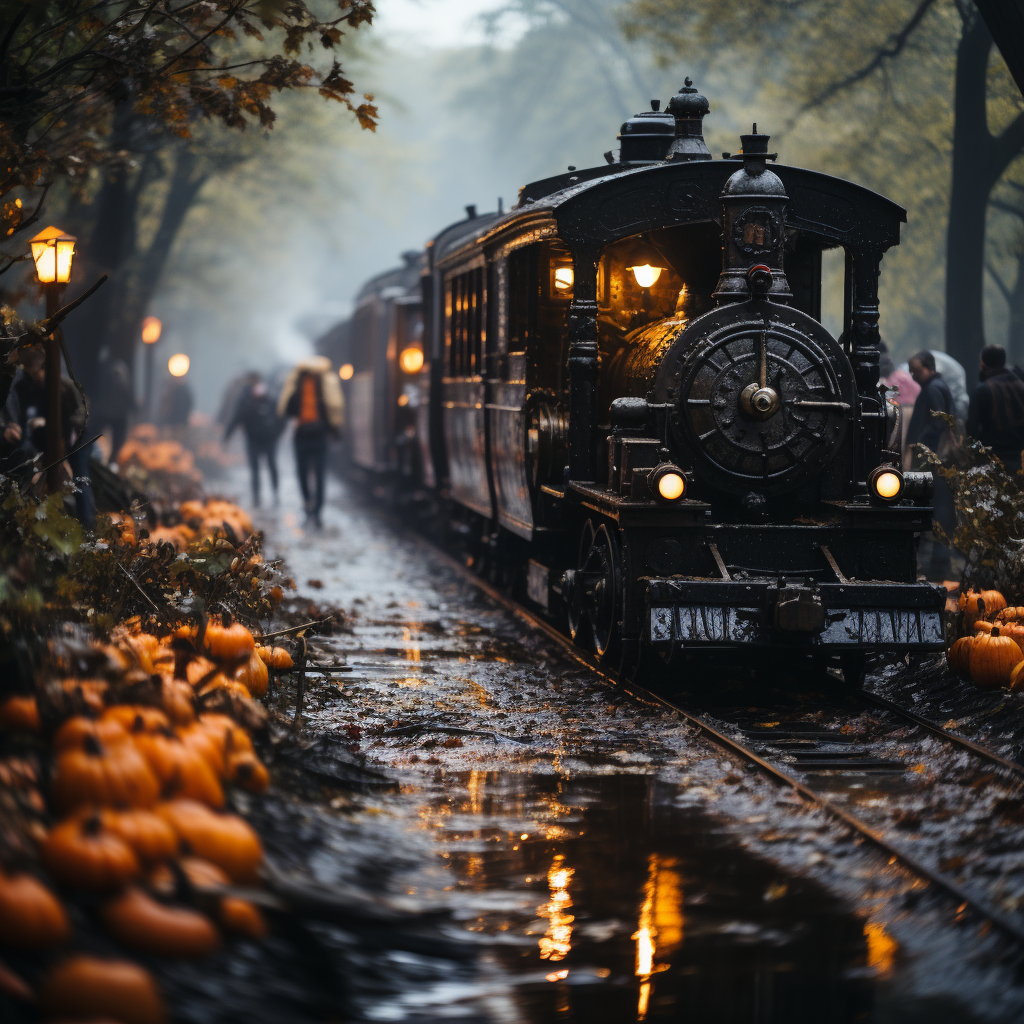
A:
151, 328
346, 371
646, 275
178, 364
53, 251
563, 279
411, 360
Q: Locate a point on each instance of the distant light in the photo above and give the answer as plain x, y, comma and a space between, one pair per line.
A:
151, 328
671, 486
403, 400
346, 371
411, 359
52, 252
178, 364
563, 278
646, 275
525, 835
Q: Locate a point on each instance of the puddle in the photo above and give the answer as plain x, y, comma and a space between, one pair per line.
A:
599, 899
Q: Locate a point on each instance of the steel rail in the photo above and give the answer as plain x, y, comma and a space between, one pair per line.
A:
980, 906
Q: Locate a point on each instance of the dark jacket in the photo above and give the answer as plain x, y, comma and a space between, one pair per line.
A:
996, 416
27, 401
257, 416
924, 428
321, 426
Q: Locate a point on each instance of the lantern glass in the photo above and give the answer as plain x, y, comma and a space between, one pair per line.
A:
53, 252
65, 255
646, 275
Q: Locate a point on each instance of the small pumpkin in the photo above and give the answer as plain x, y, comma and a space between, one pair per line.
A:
245, 769
182, 770
137, 718
202, 874
1017, 678
140, 922
977, 604
84, 987
253, 675
91, 692
73, 733
19, 714
1014, 613
31, 917
229, 643
243, 918
983, 626
177, 698
225, 839
993, 658
276, 658
199, 669
149, 836
82, 852
115, 774
959, 657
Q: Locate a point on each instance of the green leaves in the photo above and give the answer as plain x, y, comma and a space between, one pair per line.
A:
53, 525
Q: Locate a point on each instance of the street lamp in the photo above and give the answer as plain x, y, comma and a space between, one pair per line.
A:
53, 252
178, 364
151, 330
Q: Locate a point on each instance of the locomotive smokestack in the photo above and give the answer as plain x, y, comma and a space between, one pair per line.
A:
688, 108
754, 232
646, 137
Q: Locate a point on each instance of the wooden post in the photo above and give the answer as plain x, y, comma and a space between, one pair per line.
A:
54, 434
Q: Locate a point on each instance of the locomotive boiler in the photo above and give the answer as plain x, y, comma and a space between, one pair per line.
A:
625, 393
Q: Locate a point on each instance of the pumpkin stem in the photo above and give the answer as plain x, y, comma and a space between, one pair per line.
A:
92, 825
995, 631
92, 746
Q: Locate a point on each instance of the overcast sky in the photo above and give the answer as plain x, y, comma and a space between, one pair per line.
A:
436, 23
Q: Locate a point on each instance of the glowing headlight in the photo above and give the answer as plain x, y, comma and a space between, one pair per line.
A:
411, 360
886, 483
668, 483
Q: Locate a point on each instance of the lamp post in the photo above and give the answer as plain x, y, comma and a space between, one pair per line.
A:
151, 330
53, 251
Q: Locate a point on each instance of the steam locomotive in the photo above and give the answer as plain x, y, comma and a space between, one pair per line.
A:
623, 386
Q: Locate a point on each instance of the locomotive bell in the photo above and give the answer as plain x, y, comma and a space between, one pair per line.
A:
645, 137
754, 231
688, 108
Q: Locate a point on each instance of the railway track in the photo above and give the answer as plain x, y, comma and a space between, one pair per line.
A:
924, 796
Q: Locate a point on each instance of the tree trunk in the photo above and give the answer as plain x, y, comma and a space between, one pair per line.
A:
979, 159
1015, 301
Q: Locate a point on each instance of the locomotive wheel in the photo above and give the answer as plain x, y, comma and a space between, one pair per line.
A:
603, 606
576, 597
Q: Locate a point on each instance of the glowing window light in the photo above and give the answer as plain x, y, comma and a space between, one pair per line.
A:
403, 400
411, 360
151, 329
564, 279
53, 251
646, 275
346, 371
178, 364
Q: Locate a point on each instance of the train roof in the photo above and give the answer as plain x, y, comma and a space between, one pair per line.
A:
405, 277
459, 234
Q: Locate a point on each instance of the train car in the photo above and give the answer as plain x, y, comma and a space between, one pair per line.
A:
629, 388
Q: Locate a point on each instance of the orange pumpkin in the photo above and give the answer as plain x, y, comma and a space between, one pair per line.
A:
19, 714
231, 737
74, 732
82, 852
976, 605
97, 774
31, 917
229, 643
137, 718
1015, 613
225, 839
993, 658
91, 692
1017, 678
149, 836
959, 657
983, 626
177, 698
182, 771
253, 675
276, 658
85, 987
245, 769
140, 922
199, 669
243, 918
202, 874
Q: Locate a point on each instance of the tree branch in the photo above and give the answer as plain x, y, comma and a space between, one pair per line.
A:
1000, 283
1000, 204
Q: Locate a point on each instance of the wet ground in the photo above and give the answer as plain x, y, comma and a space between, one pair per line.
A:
600, 860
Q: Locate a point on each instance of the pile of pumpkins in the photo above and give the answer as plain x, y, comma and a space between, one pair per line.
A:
133, 818
200, 520
991, 654
154, 454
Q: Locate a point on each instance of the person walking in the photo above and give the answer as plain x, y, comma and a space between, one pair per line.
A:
256, 414
935, 434
312, 397
115, 405
996, 414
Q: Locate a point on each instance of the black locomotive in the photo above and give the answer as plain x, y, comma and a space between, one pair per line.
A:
623, 385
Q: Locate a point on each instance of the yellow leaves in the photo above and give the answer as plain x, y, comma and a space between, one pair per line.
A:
227, 82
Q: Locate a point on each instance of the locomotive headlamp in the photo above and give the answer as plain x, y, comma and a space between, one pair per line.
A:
411, 359
668, 483
886, 484
563, 279
646, 275
52, 253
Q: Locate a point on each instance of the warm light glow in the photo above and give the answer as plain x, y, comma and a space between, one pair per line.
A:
671, 486
346, 371
53, 251
646, 275
888, 485
151, 328
178, 364
882, 948
563, 278
556, 941
411, 360
403, 400
660, 926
